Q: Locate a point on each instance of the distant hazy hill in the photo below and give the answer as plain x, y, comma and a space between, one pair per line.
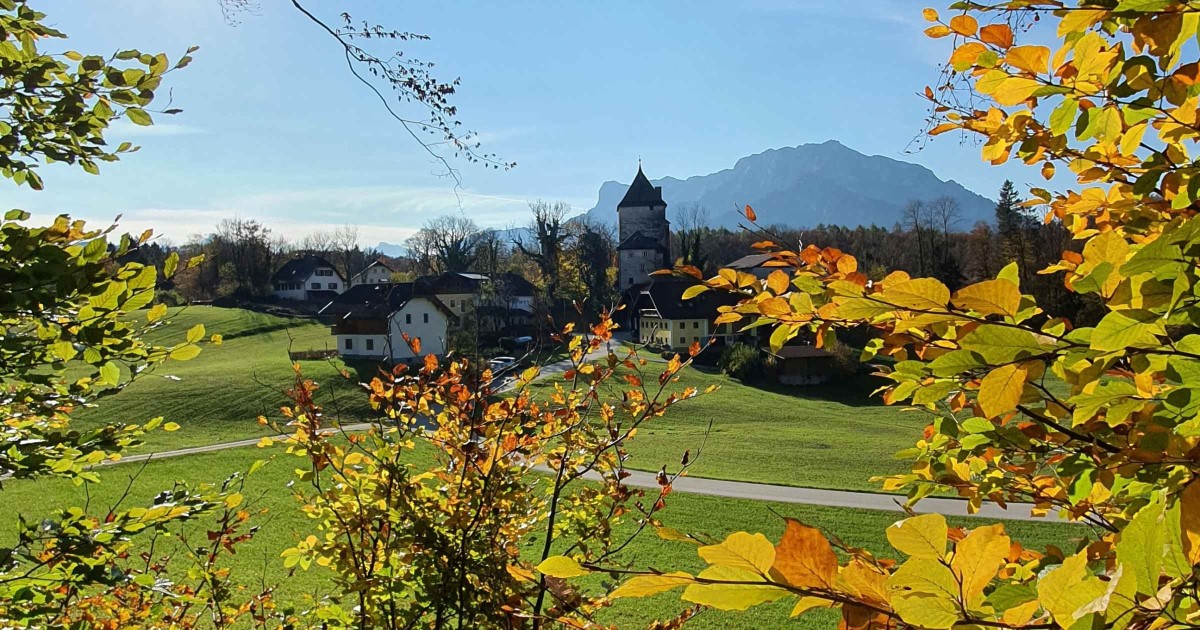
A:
391, 249
808, 185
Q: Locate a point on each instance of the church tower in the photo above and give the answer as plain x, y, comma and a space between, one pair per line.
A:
643, 232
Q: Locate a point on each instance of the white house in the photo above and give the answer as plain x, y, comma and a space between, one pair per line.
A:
369, 321
378, 272
496, 302
307, 278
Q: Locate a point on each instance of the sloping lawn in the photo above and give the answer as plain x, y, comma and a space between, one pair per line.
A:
217, 396
282, 525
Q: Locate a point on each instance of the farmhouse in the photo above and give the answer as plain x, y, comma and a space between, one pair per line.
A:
377, 272
307, 278
370, 321
496, 302
663, 318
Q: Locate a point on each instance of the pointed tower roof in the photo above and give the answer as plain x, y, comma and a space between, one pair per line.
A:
642, 193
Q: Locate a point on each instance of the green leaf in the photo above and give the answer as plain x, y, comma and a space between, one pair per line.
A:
170, 264
139, 116
918, 293
1153, 257
1124, 329
1143, 543
110, 374
925, 593
185, 352
1068, 588
956, 362
1063, 115
1002, 344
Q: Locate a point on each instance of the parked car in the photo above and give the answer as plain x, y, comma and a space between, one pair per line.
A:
500, 364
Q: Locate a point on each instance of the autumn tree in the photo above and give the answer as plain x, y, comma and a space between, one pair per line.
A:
1095, 423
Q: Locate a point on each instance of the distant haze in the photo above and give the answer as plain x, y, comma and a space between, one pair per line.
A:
807, 185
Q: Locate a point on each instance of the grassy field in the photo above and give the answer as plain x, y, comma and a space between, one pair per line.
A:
828, 437
834, 436
217, 396
283, 525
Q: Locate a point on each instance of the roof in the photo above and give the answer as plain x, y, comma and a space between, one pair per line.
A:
452, 282
749, 262
379, 262
517, 284
665, 296
642, 193
321, 296
300, 268
802, 352
640, 240
377, 301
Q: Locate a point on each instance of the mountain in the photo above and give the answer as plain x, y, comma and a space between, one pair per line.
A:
391, 249
807, 185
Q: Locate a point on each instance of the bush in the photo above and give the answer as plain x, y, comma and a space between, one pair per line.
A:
169, 297
740, 361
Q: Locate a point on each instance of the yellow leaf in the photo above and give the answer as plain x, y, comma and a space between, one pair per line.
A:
804, 557
646, 585
990, 297
171, 426
978, 557
964, 25
930, 15
1000, 391
921, 536
1035, 59
157, 312
964, 56
1079, 20
1068, 588
925, 593
185, 352
561, 567
808, 603
196, 333
731, 596
1015, 90
752, 552
693, 291
265, 442
1132, 139
919, 293
233, 500
520, 573
997, 34
938, 31
1189, 521
778, 282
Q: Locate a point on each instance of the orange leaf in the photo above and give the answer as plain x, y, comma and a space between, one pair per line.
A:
804, 557
930, 15
937, 31
964, 25
750, 213
997, 35
964, 56
774, 307
1189, 521
1048, 170
778, 282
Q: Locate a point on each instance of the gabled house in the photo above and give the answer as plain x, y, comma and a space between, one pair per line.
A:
662, 317
377, 272
499, 302
369, 321
307, 278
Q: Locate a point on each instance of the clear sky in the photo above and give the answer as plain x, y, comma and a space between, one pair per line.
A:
275, 128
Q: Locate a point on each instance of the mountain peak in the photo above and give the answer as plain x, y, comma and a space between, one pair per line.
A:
806, 185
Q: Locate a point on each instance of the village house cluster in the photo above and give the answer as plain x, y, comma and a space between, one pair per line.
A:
371, 316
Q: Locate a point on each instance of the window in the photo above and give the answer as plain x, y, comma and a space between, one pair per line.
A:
695, 324
408, 318
332, 285
453, 303
370, 344
631, 282
682, 340
324, 272
426, 317
349, 344
316, 285
693, 339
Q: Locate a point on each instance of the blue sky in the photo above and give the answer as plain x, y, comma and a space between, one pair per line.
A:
275, 128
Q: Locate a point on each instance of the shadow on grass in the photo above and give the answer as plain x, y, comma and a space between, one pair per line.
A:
853, 390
